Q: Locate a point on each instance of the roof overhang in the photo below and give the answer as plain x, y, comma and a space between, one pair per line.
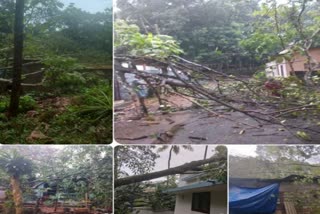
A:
290, 178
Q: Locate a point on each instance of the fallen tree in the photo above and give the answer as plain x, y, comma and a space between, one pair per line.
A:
171, 171
248, 97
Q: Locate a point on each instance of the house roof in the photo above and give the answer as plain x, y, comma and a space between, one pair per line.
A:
193, 176
203, 184
290, 178
287, 50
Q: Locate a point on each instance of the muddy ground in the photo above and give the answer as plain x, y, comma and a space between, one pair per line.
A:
185, 123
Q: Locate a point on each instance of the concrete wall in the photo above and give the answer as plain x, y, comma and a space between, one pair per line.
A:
218, 202
283, 69
274, 69
299, 60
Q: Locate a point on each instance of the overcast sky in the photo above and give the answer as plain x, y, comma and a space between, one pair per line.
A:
243, 150
91, 6
183, 157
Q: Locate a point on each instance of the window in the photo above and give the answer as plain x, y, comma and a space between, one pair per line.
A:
281, 69
201, 202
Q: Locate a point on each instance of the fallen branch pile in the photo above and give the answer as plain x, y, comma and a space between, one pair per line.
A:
198, 82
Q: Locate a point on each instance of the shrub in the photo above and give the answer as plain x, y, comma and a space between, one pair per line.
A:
96, 103
27, 103
62, 75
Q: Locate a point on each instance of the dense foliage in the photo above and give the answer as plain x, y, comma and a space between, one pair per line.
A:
76, 170
53, 29
67, 92
233, 35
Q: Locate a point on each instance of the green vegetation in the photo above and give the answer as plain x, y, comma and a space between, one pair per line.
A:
73, 174
129, 40
223, 34
279, 162
219, 57
66, 87
140, 161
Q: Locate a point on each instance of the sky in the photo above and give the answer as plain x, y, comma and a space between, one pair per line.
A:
243, 150
185, 156
91, 6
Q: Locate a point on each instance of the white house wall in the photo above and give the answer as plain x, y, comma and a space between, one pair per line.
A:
274, 69
218, 204
183, 204
271, 69
282, 70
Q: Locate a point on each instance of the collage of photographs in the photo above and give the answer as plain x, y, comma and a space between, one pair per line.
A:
159, 106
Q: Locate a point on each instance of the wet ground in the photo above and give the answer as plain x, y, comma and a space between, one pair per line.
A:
195, 125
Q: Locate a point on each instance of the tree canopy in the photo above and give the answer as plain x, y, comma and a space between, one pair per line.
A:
77, 170
228, 33
61, 75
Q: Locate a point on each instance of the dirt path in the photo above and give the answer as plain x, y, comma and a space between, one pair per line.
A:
196, 126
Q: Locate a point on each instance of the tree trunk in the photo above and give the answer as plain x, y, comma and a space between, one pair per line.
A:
18, 58
308, 75
169, 163
17, 194
205, 152
172, 171
170, 156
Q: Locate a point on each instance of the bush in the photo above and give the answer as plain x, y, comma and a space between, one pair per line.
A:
3, 103
27, 103
62, 75
96, 103
261, 75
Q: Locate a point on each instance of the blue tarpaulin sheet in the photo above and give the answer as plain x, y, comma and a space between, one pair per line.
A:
253, 200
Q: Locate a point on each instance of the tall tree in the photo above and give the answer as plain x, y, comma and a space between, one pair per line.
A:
16, 166
18, 58
175, 150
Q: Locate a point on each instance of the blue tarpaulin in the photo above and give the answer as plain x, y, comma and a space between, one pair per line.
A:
253, 200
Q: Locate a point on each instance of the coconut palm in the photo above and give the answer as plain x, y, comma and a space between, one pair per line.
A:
175, 150
15, 166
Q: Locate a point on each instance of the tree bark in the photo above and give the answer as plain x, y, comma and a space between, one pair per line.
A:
172, 171
169, 162
205, 152
170, 155
18, 58
17, 194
